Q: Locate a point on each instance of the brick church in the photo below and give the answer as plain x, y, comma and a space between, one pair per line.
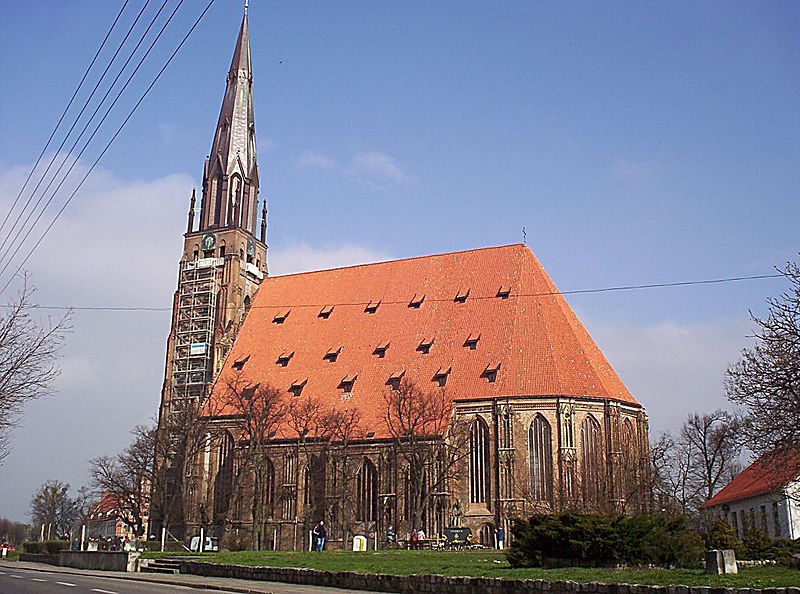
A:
310, 391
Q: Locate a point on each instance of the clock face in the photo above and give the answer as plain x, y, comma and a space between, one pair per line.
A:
251, 247
209, 241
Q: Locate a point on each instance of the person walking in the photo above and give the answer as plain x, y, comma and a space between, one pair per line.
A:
320, 536
501, 538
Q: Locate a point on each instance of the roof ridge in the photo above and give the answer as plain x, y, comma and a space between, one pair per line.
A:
391, 261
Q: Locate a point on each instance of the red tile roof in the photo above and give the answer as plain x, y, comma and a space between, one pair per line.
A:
765, 475
533, 336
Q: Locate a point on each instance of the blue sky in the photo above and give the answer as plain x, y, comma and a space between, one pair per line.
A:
636, 143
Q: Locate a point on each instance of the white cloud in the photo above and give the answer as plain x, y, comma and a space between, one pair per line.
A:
315, 160
378, 165
674, 368
302, 257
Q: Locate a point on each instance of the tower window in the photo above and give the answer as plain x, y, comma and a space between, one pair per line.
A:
472, 341
208, 253
280, 318
285, 357
416, 301
326, 312
461, 296
332, 354
222, 251
381, 349
372, 307
196, 254
504, 291
425, 345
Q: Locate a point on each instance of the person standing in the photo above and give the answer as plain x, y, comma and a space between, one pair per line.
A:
320, 536
501, 538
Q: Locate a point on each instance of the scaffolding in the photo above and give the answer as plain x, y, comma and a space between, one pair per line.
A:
193, 357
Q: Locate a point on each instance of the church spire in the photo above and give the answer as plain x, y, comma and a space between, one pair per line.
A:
230, 185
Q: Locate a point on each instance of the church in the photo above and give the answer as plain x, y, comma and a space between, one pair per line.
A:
449, 390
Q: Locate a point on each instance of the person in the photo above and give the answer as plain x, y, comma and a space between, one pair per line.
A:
501, 538
320, 535
390, 534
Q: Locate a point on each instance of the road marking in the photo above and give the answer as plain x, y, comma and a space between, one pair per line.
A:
19, 577
38, 580
67, 584
103, 591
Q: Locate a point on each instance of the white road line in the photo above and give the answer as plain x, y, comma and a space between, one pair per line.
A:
103, 591
67, 584
38, 580
19, 577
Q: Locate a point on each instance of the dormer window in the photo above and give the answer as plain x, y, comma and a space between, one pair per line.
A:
381, 349
347, 384
325, 312
396, 378
280, 318
285, 357
297, 386
416, 301
504, 291
372, 307
461, 296
472, 341
425, 345
490, 373
332, 354
238, 365
440, 377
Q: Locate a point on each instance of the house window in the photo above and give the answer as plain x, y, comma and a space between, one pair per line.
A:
591, 459
776, 520
490, 373
381, 349
367, 492
332, 354
504, 291
416, 301
325, 312
735, 520
472, 341
347, 385
396, 378
238, 365
440, 377
425, 345
285, 357
280, 317
461, 296
372, 307
297, 386
540, 442
479, 485
764, 526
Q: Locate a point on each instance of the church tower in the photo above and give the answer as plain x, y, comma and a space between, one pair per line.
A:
224, 261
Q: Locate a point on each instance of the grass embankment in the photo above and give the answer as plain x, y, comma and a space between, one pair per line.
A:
494, 564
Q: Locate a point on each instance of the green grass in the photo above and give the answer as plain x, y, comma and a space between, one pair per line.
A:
493, 564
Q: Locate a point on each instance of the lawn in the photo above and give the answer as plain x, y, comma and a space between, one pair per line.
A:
493, 564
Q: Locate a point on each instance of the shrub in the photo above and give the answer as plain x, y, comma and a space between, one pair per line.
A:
757, 544
723, 536
782, 550
589, 539
52, 547
32, 548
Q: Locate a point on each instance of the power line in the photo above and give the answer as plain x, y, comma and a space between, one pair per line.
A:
713, 281
10, 245
116, 134
61, 119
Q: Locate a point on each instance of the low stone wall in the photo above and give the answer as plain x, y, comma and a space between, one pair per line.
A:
427, 584
102, 560
48, 559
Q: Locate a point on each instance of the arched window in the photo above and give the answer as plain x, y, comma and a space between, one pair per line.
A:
367, 492
223, 483
592, 467
269, 488
540, 440
627, 443
486, 535
479, 485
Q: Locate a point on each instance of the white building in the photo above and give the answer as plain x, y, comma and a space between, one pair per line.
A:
764, 495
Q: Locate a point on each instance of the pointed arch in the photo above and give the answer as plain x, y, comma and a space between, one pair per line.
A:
592, 463
540, 443
269, 488
367, 492
223, 482
479, 465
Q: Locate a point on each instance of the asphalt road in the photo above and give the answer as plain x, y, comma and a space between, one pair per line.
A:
24, 581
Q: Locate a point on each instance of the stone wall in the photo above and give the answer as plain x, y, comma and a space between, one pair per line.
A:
414, 584
102, 560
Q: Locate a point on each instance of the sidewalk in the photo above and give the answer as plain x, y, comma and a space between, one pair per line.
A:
192, 581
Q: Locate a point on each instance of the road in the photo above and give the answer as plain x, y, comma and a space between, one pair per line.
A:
24, 581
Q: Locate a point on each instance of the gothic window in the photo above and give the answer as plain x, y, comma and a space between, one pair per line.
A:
591, 459
289, 486
629, 457
223, 483
269, 488
367, 492
479, 486
540, 439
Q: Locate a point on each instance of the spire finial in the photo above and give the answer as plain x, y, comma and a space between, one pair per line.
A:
246, 4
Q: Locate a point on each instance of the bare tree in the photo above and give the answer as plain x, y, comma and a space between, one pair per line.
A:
28, 351
766, 380
256, 411
13, 532
128, 477
342, 427
431, 441
54, 508
691, 467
